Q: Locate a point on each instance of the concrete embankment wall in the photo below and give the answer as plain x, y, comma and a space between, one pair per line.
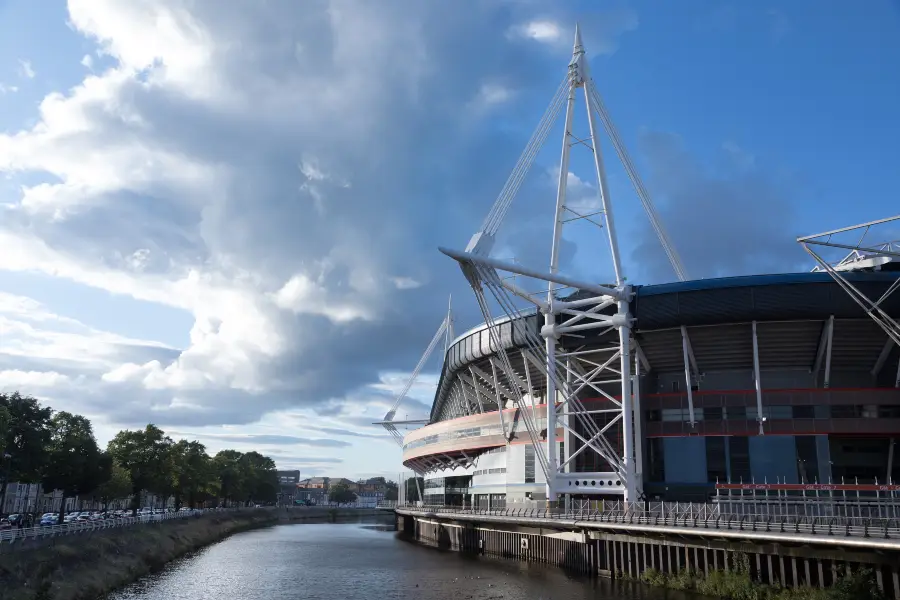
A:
632, 555
316, 514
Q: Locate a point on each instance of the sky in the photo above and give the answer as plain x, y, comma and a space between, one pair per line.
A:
223, 218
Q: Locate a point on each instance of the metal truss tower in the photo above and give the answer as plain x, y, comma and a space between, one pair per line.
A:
602, 310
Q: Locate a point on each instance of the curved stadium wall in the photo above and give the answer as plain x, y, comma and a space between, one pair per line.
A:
828, 377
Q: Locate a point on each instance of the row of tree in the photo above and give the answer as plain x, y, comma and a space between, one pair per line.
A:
59, 450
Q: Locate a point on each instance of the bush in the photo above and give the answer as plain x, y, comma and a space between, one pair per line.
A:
737, 584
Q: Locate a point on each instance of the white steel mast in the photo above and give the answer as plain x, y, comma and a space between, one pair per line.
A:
570, 374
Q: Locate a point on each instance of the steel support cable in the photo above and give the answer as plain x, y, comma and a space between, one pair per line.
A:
508, 194
431, 346
501, 205
636, 181
505, 364
498, 211
595, 435
486, 276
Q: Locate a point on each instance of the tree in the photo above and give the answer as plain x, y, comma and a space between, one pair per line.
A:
117, 486
261, 477
145, 455
75, 464
5, 422
26, 439
229, 472
412, 488
192, 473
340, 493
391, 492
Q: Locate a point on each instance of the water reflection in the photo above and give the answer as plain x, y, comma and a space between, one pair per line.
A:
356, 561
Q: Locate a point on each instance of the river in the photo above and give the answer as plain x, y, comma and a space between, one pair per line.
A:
360, 561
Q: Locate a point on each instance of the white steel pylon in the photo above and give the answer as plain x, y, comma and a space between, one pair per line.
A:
603, 310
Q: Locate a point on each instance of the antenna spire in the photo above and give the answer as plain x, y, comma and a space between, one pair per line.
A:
578, 48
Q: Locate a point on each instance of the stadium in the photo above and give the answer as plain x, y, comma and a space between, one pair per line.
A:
827, 410
672, 391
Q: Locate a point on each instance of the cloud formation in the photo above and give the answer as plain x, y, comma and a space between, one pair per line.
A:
262, 171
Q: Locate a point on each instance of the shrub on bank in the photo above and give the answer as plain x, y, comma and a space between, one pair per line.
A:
81, 567
737, 584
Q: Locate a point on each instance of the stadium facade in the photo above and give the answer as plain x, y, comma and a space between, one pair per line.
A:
771, 378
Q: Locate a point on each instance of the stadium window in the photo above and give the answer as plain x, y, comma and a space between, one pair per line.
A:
657, 459
778, 412
739, 458
672, 415
736, 413
529, 463
712, 413
846, 411
889, 411
803, 412
716, 469
807, 458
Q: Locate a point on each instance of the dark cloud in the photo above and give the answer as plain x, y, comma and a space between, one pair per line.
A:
741, 219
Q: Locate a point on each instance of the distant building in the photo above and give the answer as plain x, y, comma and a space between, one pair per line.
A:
289, 477
316, 483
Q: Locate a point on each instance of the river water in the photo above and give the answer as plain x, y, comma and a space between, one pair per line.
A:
360, 561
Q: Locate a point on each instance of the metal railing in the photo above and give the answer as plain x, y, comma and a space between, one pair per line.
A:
16, 534
694, 516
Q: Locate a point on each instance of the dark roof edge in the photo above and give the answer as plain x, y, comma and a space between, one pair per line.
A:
757, 280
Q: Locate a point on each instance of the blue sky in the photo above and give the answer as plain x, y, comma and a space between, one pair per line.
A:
226, 220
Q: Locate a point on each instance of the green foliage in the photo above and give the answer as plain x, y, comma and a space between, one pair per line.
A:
260, 477
227, 466
5, 421
391, 493
193, 479
737, 584
75, 463
26, 439
60, 451
861, 584
145, 455
117, 486
341, 494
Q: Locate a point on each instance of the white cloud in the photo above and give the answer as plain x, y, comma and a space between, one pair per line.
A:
491, 94
555, 28
26, 70
285, 198
582, 195
8, 89
544, 31
11, 380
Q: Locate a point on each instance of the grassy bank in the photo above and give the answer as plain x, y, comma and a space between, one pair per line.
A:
738, 585
82, 567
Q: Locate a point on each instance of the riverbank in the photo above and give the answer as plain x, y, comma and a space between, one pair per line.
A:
82, 567
324, 514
